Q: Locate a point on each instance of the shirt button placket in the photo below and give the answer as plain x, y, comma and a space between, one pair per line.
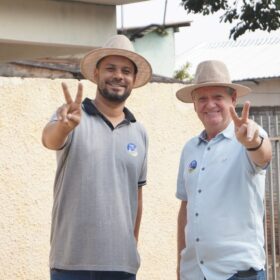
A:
202, 180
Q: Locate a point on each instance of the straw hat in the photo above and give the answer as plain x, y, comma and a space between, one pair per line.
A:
210, 73
117, 45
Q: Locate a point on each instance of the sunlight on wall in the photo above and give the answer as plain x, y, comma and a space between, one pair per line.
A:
27, 174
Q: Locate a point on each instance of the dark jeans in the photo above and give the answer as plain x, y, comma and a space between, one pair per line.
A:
59, 274
250, 274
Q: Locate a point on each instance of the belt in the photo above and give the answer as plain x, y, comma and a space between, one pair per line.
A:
247, 273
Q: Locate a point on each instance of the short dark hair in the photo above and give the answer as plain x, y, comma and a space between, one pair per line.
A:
134, 65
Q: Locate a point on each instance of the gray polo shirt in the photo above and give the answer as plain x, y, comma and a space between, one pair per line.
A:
95, 194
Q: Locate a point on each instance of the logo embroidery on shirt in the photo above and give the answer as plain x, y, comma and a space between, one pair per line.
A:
132, 149
192, 165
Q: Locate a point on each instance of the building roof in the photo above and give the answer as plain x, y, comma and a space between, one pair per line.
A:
247, 59
57, 69
140, 31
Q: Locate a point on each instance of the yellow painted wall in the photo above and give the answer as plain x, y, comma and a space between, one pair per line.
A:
27, 173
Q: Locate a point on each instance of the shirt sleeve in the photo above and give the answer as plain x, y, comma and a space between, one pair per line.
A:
143, 175
181, 192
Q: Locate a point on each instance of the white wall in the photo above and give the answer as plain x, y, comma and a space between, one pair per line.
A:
30, 29
27, 173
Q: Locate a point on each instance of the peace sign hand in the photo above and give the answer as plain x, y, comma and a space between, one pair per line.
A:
246, 130
69, 114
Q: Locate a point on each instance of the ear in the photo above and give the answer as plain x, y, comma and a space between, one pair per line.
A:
234, 98
96, 74
134, 78
194, 106
193, 99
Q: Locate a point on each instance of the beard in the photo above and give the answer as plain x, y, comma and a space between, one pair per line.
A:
112, 96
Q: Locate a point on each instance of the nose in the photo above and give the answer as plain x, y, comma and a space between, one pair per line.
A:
118, 74
210, 103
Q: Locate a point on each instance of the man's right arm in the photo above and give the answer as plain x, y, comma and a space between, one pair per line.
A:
181, 243
55, 135
68, 115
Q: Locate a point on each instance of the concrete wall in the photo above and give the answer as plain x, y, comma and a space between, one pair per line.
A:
32, 29
27, 173
264, 92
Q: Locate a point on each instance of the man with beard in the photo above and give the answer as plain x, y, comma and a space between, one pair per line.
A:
101, 168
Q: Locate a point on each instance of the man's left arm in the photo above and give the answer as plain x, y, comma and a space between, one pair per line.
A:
139, 214
248, 134
260, 150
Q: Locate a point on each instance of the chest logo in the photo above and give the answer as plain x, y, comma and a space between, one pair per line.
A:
192, 165
132, 149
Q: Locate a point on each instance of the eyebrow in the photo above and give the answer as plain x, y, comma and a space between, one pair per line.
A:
134, 65
114, 65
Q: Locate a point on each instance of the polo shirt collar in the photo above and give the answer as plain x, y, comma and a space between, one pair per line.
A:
228, 132
91, 109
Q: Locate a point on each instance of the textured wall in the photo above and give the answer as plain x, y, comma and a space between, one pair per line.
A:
27, 174
53, 28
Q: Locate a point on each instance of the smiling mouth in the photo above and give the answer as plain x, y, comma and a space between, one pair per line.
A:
213, 112
116, 85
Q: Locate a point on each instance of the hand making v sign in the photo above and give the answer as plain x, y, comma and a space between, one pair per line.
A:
70, 112
246, 130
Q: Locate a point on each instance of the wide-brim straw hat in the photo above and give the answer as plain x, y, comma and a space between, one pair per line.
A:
210, 73
118, 45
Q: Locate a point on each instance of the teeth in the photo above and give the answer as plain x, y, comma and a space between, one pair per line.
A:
115, 85
211, 113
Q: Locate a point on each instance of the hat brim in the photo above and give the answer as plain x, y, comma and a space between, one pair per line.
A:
144, 69
185, 94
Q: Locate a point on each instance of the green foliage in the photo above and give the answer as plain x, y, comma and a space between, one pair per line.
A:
183, 73
250, 15
162, 31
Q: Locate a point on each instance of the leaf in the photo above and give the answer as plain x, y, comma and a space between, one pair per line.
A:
250, 16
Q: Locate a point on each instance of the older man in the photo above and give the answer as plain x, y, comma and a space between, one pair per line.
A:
102, 164
221, 183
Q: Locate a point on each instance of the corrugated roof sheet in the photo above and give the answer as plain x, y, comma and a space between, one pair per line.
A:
246, 59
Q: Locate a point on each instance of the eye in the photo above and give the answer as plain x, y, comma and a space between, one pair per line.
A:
219, 97
110, 68
127, 71
202, 99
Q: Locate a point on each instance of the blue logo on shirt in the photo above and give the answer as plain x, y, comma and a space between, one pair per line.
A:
132, 149
192, 165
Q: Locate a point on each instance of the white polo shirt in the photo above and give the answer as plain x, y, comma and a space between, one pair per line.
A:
224, 191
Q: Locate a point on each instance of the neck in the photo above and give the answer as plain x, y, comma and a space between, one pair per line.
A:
213, 131
210, 134
112, 111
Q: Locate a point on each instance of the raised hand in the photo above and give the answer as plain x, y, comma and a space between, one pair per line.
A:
246, 130
69, 114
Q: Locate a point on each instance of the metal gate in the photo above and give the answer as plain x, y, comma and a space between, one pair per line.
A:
269, 119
